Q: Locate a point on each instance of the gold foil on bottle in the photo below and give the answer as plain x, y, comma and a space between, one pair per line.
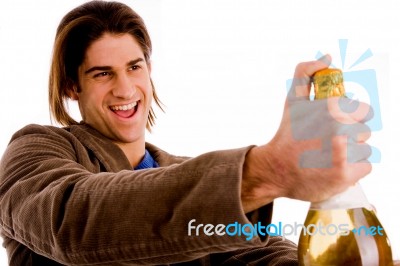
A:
328, 83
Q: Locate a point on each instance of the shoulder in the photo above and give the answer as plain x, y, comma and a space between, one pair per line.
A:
35, 129
75, 135
71, 133
39, 138
79, 143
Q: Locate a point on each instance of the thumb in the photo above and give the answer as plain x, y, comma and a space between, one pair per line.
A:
301, 83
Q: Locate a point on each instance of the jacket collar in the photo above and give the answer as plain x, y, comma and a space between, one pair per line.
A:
110, 155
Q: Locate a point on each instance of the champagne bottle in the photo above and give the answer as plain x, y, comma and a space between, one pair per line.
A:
342, 230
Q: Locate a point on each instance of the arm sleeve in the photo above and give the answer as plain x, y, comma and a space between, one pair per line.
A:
278, 252
68, 212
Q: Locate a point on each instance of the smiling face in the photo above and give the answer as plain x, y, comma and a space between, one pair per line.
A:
115, 91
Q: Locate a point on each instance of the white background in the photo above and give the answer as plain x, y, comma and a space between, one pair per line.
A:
221, 68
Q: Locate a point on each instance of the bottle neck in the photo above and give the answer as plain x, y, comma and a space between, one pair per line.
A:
351, 198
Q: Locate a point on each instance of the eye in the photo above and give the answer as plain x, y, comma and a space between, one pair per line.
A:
101, 74
134, 67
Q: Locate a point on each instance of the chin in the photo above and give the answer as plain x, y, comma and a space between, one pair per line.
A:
129, 138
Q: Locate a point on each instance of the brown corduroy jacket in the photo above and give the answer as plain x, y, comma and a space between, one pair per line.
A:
69, 196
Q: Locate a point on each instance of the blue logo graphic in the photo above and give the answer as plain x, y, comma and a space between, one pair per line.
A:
365, 79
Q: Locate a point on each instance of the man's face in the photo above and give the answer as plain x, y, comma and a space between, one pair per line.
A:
115, 89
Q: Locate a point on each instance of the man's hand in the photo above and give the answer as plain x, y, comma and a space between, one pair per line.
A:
319, 149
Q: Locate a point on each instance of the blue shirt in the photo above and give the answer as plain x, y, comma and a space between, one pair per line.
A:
147, 162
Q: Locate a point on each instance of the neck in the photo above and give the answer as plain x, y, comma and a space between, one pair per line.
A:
134, 151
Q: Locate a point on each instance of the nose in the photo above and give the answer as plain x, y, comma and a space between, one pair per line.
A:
123, 87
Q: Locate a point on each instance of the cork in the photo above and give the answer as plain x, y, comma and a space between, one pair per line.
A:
328, 83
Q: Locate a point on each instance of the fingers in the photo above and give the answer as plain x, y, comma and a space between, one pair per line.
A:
350, 158
336, 153
301, 84
358, 111
348, 111
358, 153
356, 132
307, 69
356, 171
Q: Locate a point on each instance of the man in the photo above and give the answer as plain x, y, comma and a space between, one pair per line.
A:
96, 193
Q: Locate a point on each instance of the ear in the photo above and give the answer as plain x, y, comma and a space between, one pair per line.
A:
73, 94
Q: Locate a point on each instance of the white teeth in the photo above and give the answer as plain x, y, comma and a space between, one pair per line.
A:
123, 107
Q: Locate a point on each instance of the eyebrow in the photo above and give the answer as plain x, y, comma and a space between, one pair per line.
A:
106, 68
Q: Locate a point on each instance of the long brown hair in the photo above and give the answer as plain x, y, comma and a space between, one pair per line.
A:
76, 31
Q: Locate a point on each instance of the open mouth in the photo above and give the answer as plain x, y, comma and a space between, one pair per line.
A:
125, 111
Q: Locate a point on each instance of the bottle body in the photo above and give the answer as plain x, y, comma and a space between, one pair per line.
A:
344, 237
